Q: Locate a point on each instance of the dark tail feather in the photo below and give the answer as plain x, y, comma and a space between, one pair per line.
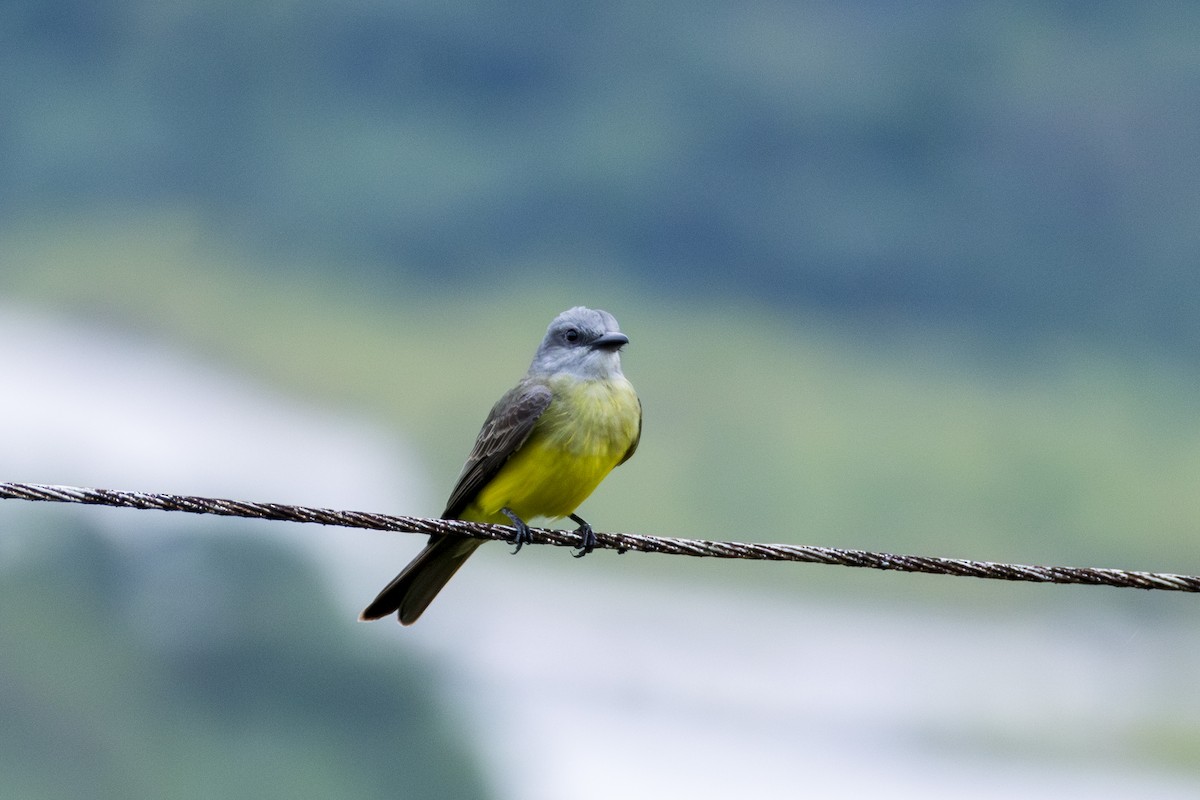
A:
411, 592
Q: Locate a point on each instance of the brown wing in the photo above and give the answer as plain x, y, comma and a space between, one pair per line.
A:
633, 447
504, 431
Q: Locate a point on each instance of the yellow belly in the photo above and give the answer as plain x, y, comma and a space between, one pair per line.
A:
586, 431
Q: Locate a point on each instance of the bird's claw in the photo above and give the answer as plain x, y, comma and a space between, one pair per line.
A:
589, 537
521, 533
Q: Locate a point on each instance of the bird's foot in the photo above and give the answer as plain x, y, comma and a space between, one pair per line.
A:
520, 530
589, 536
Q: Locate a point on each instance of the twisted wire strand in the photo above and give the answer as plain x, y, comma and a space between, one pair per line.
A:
621, 542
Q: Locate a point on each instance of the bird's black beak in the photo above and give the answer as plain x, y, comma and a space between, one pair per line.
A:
610, 341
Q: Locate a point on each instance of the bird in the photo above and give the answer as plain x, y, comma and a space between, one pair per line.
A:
545, 446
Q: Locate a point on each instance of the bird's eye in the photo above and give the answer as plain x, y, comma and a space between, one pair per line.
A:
571, 335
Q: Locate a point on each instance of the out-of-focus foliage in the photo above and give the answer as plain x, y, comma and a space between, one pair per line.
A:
1027, 169
199, 667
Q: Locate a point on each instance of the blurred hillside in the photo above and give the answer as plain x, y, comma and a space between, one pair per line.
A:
1028, 171
918, 278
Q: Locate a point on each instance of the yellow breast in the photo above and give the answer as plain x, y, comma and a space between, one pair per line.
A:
585, 432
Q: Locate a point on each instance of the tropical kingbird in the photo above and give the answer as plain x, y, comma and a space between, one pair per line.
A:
544, 447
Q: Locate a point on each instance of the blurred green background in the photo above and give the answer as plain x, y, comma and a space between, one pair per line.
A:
912, 278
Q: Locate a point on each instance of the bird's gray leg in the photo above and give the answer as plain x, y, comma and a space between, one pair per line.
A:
521, 530
589, 536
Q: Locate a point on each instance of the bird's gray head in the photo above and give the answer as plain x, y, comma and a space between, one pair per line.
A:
583, 342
